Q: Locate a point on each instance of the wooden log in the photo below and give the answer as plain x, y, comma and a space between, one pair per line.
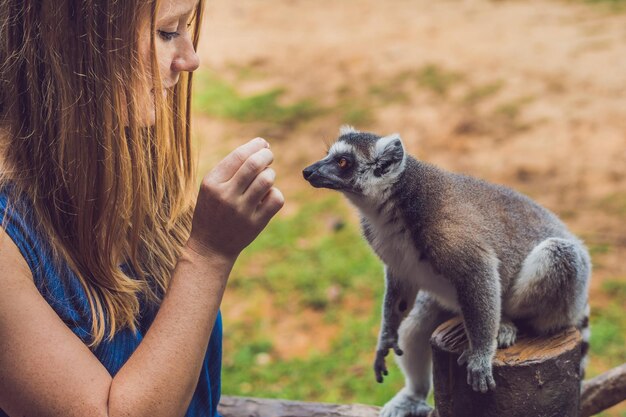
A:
604, 391
263, 407
536, 377
598, 394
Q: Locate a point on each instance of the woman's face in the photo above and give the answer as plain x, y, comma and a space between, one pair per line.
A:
174, 48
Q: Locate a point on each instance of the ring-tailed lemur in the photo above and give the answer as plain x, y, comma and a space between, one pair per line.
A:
453, 244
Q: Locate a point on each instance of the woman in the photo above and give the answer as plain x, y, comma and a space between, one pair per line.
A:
111, 271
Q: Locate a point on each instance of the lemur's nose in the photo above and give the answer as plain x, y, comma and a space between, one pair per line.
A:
308, 171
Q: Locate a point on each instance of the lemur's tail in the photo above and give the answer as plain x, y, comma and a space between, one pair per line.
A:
585, 331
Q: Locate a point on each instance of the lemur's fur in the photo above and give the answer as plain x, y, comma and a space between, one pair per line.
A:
454, 244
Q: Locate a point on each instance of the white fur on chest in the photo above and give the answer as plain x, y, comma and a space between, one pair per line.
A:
393, 244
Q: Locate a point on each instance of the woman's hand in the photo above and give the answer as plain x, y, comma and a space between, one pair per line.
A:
236, 201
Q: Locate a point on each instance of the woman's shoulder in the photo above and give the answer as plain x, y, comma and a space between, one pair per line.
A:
23, 237
17, 221
30, 254
13, 265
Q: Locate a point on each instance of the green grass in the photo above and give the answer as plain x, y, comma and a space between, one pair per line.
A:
510, 111
307, 255
356, 113
612, 5
436, 79
482, 92
215, 97
599, 248
391, 90
301, 257
608, 333
360, 109
608, 328
615, 287
614, 203
343, 375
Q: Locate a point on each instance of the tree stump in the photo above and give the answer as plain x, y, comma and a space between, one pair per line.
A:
536, 377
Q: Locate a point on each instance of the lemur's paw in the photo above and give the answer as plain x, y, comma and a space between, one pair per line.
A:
404, 404
380, 368
507, 334
479, 372
390, 342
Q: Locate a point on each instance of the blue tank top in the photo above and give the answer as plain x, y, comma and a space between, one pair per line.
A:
60, 287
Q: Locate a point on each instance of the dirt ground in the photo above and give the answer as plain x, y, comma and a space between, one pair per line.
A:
538, 100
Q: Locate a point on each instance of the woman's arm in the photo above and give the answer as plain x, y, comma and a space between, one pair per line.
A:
45, 370
161, 375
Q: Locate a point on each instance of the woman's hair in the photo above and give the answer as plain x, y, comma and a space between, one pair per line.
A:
112, 195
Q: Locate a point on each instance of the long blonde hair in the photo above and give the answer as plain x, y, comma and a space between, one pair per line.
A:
105, 188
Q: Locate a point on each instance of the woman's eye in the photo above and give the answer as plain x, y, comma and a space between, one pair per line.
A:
168, 36
343, 163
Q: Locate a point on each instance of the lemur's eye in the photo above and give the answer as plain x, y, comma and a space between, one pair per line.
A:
343, 163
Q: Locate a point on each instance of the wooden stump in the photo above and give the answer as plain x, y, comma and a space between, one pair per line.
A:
536, 377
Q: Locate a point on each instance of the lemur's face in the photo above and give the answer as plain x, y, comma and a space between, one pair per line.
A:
358, 163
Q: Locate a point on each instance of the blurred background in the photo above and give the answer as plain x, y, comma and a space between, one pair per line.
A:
530, 94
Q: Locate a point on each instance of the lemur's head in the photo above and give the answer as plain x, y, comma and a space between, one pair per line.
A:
359, 163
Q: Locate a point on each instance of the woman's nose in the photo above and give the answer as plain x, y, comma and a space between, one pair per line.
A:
187, 60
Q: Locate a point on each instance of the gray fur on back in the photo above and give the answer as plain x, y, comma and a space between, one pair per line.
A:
432, 201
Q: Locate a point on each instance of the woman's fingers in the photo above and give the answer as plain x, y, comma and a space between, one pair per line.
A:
259, 187
269, 206
236, 200
250, 170
229, 166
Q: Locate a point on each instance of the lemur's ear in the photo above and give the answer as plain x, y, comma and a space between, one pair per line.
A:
390, 147
389, 155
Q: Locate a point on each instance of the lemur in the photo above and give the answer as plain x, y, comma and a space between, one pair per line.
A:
454, 244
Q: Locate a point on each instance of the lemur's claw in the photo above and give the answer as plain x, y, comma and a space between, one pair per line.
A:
479, 371
379, 376
380, 368
507, 334
482, 383
397, 350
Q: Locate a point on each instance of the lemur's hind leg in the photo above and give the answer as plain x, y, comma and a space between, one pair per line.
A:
551, 289
550, 292
414, 340
507, 333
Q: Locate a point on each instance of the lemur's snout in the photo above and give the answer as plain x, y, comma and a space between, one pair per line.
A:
318, 176
308, 171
